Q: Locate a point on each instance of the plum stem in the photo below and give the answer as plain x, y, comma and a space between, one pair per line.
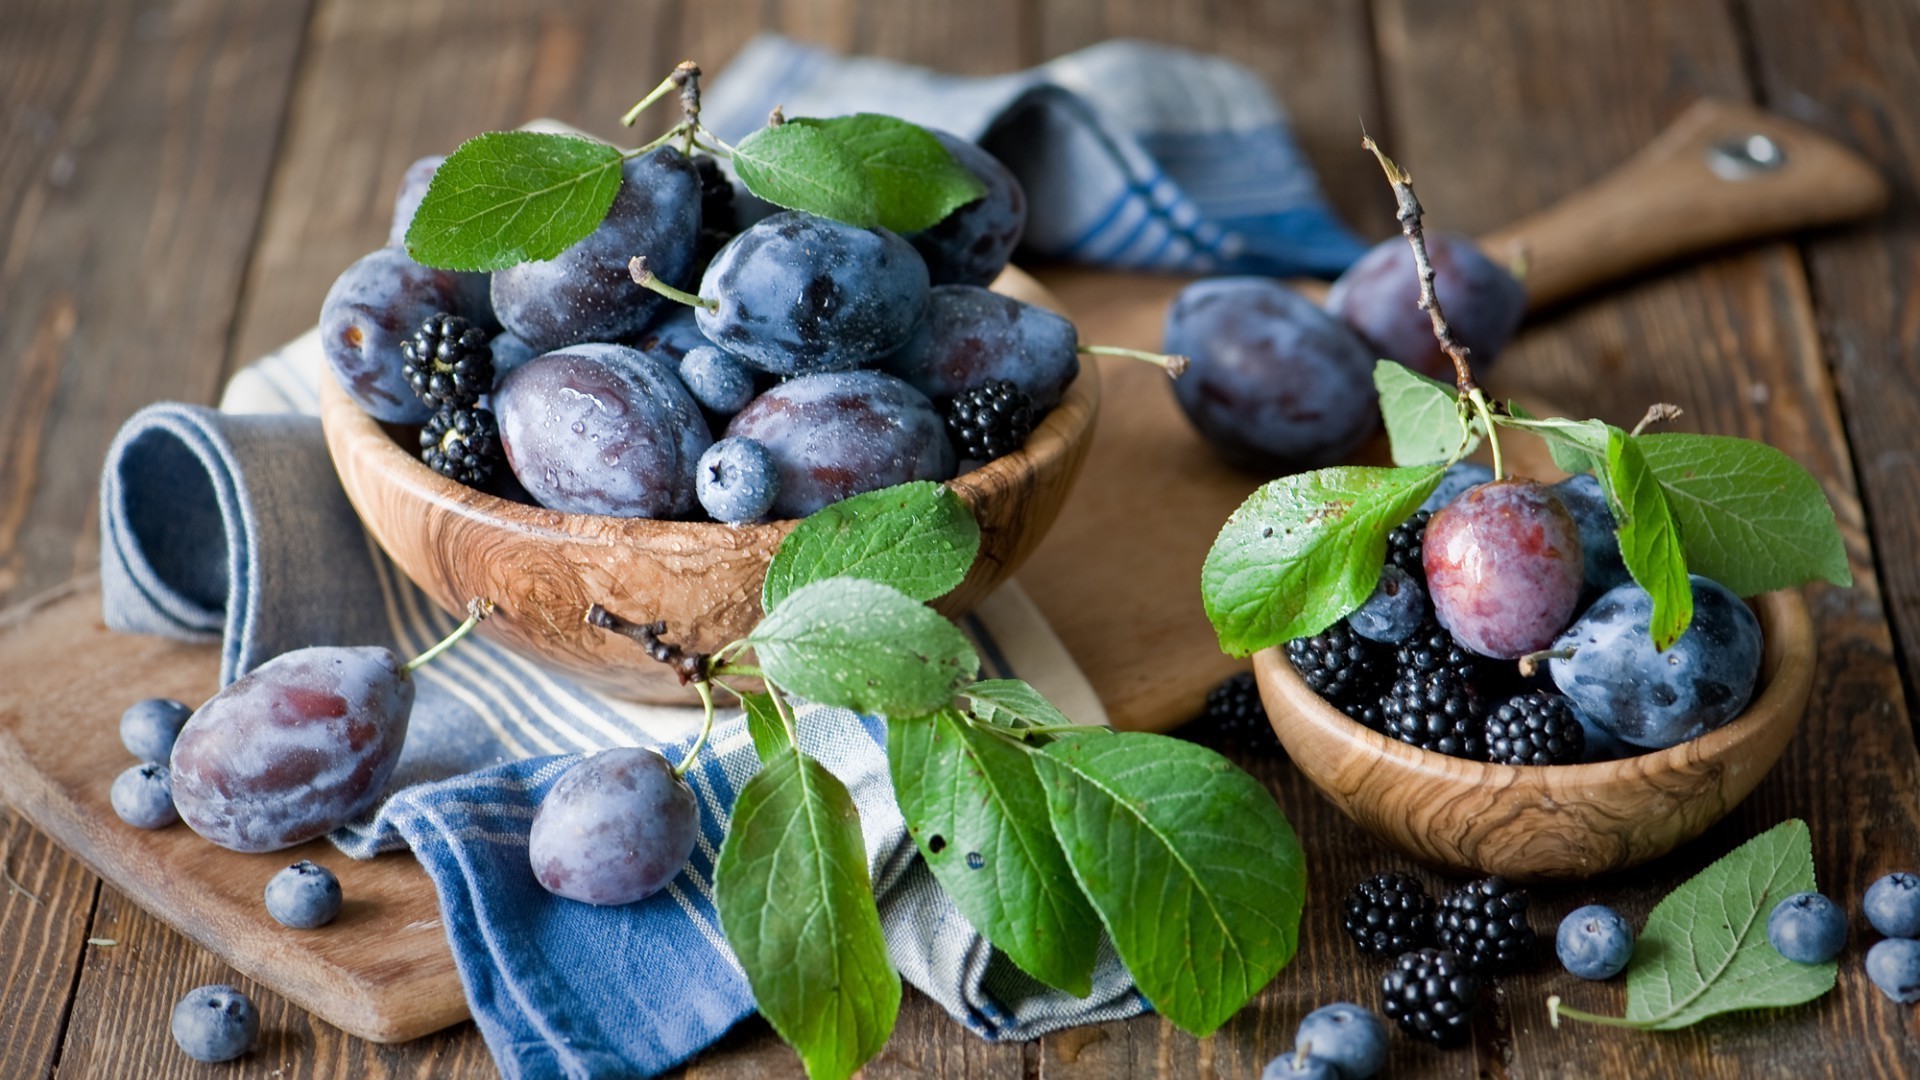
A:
1408, 213
672, 133
1175, 364
667, 86
690, 666
1658, 413
477, 610
706, 728
644, 275
1530, 663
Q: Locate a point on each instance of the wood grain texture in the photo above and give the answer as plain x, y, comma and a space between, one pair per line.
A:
137, 147
1857, 79
381, 971
1529, 824
543, 568
46, 906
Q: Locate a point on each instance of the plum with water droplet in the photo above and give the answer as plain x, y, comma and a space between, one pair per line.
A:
835, 435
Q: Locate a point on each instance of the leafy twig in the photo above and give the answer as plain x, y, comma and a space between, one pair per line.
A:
690, 666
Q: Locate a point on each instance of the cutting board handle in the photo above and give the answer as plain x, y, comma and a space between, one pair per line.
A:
1722, 173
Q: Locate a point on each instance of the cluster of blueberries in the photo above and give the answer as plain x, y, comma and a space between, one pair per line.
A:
217, 1022
1491, 572
817, 360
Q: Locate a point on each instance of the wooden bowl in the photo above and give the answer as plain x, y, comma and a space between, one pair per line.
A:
542, 568
1533, 822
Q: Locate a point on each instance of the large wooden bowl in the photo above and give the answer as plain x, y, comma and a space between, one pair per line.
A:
542, 568
1565, 821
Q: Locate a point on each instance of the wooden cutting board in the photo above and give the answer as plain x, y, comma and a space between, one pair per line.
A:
1118, 577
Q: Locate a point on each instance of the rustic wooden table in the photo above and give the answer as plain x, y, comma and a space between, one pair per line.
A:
180, 180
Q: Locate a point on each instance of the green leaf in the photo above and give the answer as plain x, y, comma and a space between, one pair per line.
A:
1305, 550
1649, 541
1705, 951
1012, 703
864, 646
509, 197
1750, 517
918, 537
768, 731
1577, 446
797, 907
975, 808
1424, 424
800, 167
916, 182
1192, 867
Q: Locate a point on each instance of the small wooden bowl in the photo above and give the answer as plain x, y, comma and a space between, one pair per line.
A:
542, 568
1532, 822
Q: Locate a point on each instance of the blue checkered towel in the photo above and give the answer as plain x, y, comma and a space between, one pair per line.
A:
229, 526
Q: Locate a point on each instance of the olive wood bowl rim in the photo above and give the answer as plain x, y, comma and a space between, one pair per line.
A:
1066, 425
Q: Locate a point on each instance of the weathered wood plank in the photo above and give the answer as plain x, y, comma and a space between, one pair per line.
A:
131, 181
1857, 79
46, 902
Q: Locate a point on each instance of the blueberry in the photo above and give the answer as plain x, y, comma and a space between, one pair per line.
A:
1351, 1039
736, 480
615, 828
143, 796
1295, 1066
838, 434
1594, 942
799, 294
1459, 476
1892, 905
1807, 928
972, 245
215, 1023
1396, 609
1617, 680
1894, 967
303, 896
148, 728
1599, 542
718, 381
509, 352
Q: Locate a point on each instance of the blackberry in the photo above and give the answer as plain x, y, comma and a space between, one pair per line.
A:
990, 421
1431, 994
1433, 648
462, 444
1340, 665
448, 362
1403, 545
716, 209
1439, 711
1369, 714
1389, 914
1485, 923
1234, 719
1535, 728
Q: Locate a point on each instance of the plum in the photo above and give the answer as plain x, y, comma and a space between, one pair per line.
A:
1504, 567
838, 434
374, 307
1379, 297
614, 829
972, 245
972, 337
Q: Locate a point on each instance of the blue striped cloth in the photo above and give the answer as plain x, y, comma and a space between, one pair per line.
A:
229, 527
1133, 155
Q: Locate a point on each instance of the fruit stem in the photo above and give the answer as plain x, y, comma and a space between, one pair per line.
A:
643, 275
1530, 663
667, 86
1657, 413
672, 133
1408, 213
1175, 364
477, 609
706, 728
690, 666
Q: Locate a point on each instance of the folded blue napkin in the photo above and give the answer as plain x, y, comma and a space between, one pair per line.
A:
230, 526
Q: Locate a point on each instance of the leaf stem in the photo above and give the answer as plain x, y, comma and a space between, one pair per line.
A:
1556, 1009
706, 728
786, 719
1408, 213
477, 609
644, 275
1175, 364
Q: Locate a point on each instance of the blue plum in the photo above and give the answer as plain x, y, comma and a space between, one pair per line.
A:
615, 828
972, 245
413, 189
372, 310
838, 434
798, 294
585, 293
1276, 384
972, 337
1379, 296
602, 429
1652, 699
1594, 942
509, 352
1599, 543
1459, 476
